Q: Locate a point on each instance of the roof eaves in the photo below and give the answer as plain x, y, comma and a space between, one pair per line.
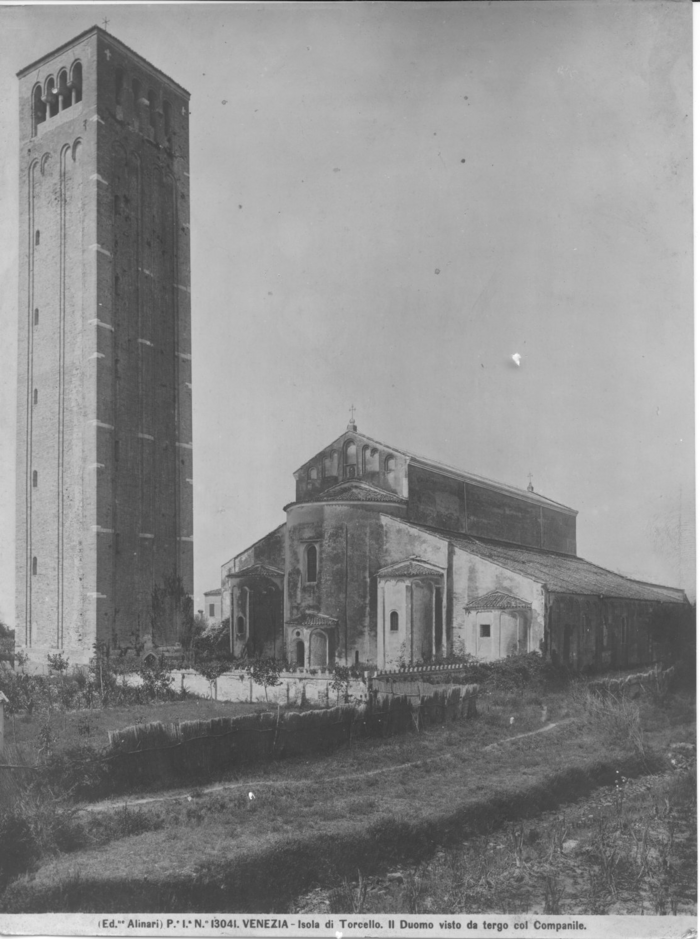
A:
97, 30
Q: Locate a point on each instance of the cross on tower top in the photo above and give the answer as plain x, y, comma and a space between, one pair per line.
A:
105, 22
352, 425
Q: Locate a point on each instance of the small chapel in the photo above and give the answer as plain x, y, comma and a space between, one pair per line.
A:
389, 559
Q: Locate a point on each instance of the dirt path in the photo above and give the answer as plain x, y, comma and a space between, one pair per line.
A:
253, 784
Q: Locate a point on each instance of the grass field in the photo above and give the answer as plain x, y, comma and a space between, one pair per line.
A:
89, 726
370, 806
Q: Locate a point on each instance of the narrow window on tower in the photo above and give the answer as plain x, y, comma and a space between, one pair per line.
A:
34, 566
36, 396
116, 451
394, 621
36, 316
37, 237
116, 285
117, 205
35, 479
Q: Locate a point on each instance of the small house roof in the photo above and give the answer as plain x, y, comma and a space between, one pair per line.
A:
498, 600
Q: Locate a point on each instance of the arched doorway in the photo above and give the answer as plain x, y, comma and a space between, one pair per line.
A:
318, 650
300, 653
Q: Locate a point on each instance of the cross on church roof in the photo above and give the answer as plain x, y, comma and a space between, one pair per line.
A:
106, 22
352, 413
530, 487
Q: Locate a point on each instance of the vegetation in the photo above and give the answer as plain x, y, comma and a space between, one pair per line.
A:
306, 831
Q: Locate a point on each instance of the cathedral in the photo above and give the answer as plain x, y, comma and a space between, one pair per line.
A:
388, 559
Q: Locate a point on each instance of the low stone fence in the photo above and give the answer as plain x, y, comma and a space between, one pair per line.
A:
294, 688
157, 753
654, 681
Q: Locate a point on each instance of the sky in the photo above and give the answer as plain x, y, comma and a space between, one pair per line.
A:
388, 201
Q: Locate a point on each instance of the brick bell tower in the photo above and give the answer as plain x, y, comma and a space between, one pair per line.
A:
104, 432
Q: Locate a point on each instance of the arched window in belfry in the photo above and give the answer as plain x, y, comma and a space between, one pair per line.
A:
38, 109
349, 459
76, 82
311, 564
50, 97
64, 95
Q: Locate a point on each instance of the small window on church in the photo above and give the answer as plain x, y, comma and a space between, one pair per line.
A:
152, 109
311, 564
36, 316
34, 565
394, 621
350, 462
36, 396
240, 625
167, 118
389, 464
485, 630
211, 609
35, 479
37, 237
312, 473
119, 87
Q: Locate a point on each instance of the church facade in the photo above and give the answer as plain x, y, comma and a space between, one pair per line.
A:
389, 559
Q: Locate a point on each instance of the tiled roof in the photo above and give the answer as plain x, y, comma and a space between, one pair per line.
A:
258, 572
412, 567
311, 618
356, 490
560, 573
497, 600
445, 469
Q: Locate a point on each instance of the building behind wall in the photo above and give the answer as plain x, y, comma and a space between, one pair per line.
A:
387, 558
104, 481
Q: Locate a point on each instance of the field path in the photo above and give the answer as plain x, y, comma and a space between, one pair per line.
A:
252, 784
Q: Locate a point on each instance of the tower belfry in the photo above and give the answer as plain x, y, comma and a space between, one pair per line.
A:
104, 457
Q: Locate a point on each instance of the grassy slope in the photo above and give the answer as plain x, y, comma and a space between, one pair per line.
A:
317, 823
89, 726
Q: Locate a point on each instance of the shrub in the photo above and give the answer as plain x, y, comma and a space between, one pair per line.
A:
265, 672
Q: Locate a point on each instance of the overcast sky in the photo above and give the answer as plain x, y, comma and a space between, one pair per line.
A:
388, 202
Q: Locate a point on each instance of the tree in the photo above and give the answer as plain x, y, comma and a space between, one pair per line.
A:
265, 672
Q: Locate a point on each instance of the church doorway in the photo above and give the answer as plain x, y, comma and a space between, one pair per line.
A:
318, 649
300, 653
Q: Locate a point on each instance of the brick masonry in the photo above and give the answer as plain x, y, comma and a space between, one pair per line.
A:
104, 492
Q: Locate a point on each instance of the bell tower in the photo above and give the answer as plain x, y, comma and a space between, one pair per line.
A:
104, 433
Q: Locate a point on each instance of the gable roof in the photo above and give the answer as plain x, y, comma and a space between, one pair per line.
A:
411, 567
497, 600
559, 573
442, 468
357, 490
312, 618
